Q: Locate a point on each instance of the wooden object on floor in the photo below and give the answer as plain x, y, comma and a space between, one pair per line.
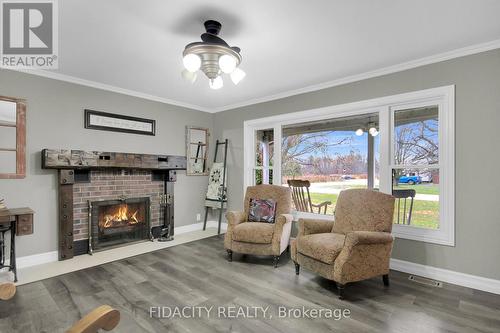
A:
104, 317
302, 198
7, 287
7, 290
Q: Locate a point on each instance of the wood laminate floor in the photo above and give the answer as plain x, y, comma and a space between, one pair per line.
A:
197, 274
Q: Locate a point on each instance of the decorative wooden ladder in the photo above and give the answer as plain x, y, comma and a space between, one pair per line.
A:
222, 197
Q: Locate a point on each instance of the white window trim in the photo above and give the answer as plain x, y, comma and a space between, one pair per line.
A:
445, 96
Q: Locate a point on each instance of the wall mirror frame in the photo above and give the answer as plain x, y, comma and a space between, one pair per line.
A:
12, 138
197, 139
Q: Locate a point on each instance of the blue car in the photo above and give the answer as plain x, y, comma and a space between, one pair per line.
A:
411, 180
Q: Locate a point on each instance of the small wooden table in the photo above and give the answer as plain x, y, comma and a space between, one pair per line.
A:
19, 221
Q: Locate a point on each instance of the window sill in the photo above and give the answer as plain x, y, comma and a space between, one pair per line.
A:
431, 236
303, 215
438, 236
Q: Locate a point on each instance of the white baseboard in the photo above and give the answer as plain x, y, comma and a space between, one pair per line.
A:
198, 226
444, 275
37, 259
44, 258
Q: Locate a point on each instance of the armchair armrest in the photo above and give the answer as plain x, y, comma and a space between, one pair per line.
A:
235, 217
365, 254
282, 219
314, 226
368, 237
282, 231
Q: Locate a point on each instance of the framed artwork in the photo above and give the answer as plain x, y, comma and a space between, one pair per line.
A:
119, 123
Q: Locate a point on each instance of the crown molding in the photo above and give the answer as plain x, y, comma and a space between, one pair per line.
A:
465, 51
457, 53
107, 87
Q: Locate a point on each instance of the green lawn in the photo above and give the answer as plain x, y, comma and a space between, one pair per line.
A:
425, 213
421, 188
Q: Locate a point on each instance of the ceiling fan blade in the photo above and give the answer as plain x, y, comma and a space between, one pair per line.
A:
209, 38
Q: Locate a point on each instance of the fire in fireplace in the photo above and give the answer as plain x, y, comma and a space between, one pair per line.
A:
119, 217
114, 222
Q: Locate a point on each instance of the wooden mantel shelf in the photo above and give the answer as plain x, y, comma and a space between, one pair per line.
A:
81, 159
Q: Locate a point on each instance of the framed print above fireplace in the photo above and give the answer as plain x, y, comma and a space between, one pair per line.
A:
104, 121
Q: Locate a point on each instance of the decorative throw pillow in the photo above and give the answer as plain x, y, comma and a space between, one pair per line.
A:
262, 210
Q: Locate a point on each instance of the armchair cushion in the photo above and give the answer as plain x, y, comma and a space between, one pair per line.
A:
324, 247
254, 232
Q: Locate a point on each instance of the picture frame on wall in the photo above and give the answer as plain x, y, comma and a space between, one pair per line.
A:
105, 121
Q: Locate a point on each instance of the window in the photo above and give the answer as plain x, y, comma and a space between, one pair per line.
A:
264, 150
332, 155
400, 144
12, 138
416, 162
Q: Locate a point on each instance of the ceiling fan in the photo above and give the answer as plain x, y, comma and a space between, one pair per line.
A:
213, 56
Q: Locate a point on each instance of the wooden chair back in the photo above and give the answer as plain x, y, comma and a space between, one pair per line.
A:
302, 198
103, 317
300, 194
403, 211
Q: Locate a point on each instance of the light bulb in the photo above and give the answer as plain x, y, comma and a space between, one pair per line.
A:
216, 83
191, 62
189, 76
373, 131
237, 75
227, 63
359, 132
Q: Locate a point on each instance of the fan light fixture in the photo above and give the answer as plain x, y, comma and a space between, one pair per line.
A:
372, 129
213, 56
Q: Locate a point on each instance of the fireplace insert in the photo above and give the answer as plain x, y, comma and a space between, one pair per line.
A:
114, 222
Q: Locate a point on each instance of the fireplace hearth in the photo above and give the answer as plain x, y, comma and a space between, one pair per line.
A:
119, 221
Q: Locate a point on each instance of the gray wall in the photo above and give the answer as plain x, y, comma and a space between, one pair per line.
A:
55, 120
477, 80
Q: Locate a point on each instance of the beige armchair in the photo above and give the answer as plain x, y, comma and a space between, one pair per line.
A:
259, 238
355, 247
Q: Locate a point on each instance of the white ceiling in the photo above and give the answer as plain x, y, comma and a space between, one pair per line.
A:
286, 45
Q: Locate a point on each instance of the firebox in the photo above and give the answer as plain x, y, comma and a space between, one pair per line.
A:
114, 222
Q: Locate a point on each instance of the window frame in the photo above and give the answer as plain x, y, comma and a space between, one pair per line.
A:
384, 107
20, 149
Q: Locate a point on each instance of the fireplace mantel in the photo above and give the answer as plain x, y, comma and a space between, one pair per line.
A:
81, 159
75, 166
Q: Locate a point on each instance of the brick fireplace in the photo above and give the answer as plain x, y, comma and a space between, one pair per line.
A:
111, 185
107, 188
128, 194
